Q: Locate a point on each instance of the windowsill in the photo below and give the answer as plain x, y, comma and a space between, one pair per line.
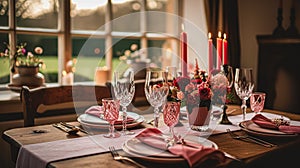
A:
8, 96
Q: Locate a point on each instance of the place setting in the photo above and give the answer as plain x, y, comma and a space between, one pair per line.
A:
266, 124
93, 118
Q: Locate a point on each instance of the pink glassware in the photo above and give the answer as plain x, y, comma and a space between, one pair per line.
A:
171, 112
257, 101
111, 114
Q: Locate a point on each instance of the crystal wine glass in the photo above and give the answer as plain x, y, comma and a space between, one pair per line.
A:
171, 112
243, 84
124, 89
111, 114
257, 101
156, 91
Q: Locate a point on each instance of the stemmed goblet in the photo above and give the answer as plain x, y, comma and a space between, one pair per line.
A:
243, 84
257, 102
171, 112
156, 91
111, 114
124, 89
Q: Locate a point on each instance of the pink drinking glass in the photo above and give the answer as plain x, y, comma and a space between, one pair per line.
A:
171, 112
257, 101
111, 114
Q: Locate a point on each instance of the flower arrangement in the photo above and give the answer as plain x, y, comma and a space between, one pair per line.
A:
196, 90
22, 57
219, 84
174, 94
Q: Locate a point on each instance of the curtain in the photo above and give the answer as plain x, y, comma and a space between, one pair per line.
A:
222, 15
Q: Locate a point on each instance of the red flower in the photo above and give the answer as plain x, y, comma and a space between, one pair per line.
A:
181, 82
205, 93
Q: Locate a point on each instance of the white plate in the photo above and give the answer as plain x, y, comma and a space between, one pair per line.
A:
91, 119
251, 128
135, 123
136, 148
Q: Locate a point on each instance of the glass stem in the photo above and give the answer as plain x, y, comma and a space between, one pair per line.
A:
111, 129
156, 116
172, 132
244, 108
124, 119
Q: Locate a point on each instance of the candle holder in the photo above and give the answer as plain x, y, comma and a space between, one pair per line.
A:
292, 29
225, 119
279, 30
228, 72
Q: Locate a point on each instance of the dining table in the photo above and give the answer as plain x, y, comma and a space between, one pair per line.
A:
238, 153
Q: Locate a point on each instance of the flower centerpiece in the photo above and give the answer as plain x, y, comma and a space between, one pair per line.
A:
197, 97
25, 65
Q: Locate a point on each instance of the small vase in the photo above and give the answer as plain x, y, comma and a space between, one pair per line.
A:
199, 117
29, 76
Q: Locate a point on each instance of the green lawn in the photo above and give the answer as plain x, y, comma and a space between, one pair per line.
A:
85, 67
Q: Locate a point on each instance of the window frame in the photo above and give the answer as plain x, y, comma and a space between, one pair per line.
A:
65, 34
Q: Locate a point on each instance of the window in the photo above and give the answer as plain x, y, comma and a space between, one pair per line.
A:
95, 32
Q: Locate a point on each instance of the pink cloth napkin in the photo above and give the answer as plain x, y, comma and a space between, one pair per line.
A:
98, 111
195, 154
265, 122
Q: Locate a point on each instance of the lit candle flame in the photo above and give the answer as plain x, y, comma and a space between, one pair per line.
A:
182, 27
224, 36
209, 35
219, 34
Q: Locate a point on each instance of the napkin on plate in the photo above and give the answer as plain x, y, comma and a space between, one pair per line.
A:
195, 154
98, 111
265, 122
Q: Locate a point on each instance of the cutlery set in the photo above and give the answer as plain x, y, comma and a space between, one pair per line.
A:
68, 128
249, 138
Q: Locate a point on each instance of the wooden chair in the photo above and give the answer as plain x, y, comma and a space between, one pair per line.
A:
59, 100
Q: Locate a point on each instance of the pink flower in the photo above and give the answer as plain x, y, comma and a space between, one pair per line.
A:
38, 50
23, 50
180, 95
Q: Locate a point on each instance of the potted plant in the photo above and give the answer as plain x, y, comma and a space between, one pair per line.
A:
25, 66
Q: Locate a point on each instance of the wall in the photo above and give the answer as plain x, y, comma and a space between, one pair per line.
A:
259, 17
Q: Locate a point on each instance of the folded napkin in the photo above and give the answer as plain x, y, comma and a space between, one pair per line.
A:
98, 112
195, 154
282, 126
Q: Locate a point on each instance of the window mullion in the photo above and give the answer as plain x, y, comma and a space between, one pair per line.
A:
143, 21
108, 38
64, 39
12, 26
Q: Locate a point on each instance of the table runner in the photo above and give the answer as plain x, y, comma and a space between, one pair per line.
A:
39, 155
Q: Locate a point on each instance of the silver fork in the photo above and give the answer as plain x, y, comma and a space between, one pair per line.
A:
118, 157
250, 139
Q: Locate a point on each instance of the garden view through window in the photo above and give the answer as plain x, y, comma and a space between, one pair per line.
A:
42, 23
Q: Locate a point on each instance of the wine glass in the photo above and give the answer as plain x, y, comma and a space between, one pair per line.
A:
111, 114
156, 91
243, 84
171, 112
257, 101
124, 89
